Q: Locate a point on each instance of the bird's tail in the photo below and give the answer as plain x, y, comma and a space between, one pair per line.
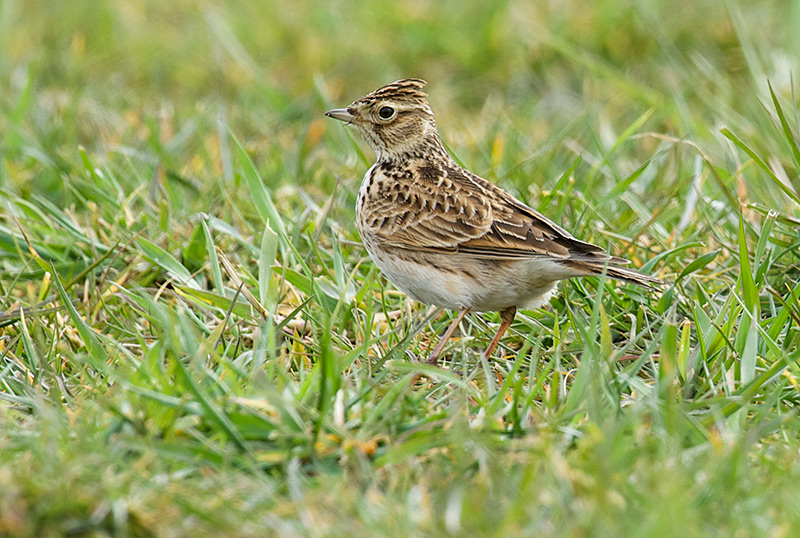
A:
629, 275
618, 273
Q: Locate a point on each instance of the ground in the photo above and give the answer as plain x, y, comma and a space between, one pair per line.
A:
194, 343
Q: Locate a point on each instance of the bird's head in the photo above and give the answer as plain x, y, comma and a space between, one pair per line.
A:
395, 119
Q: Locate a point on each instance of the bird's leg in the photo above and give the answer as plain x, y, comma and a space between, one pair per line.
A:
507, 316
434, 358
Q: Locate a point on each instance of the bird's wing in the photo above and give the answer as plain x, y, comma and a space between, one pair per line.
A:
444, 208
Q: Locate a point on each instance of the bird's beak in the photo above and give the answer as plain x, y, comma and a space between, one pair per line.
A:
341, 114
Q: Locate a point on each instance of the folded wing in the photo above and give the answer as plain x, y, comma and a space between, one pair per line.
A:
445, 208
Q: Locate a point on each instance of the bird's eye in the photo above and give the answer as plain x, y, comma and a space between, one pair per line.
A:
386, 112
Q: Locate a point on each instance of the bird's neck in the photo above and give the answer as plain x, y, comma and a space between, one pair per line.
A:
428, 148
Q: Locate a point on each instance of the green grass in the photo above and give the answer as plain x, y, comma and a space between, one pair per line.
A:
194, 343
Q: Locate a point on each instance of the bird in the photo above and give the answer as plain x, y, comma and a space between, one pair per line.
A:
448, 237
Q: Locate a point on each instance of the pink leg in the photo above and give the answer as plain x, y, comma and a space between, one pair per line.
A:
434, 358
507, 316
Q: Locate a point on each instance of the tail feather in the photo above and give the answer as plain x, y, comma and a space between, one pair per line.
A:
616, 272
631, 276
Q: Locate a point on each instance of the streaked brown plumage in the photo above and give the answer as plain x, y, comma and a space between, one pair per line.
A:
448, 237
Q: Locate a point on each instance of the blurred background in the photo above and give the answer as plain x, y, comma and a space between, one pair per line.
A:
142, 79
647, 127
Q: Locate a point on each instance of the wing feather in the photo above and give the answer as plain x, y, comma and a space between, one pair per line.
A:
445, 208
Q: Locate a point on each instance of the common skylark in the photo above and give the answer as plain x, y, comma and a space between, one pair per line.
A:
448, 237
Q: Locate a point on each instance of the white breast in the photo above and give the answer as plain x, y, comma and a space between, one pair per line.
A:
422, 281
